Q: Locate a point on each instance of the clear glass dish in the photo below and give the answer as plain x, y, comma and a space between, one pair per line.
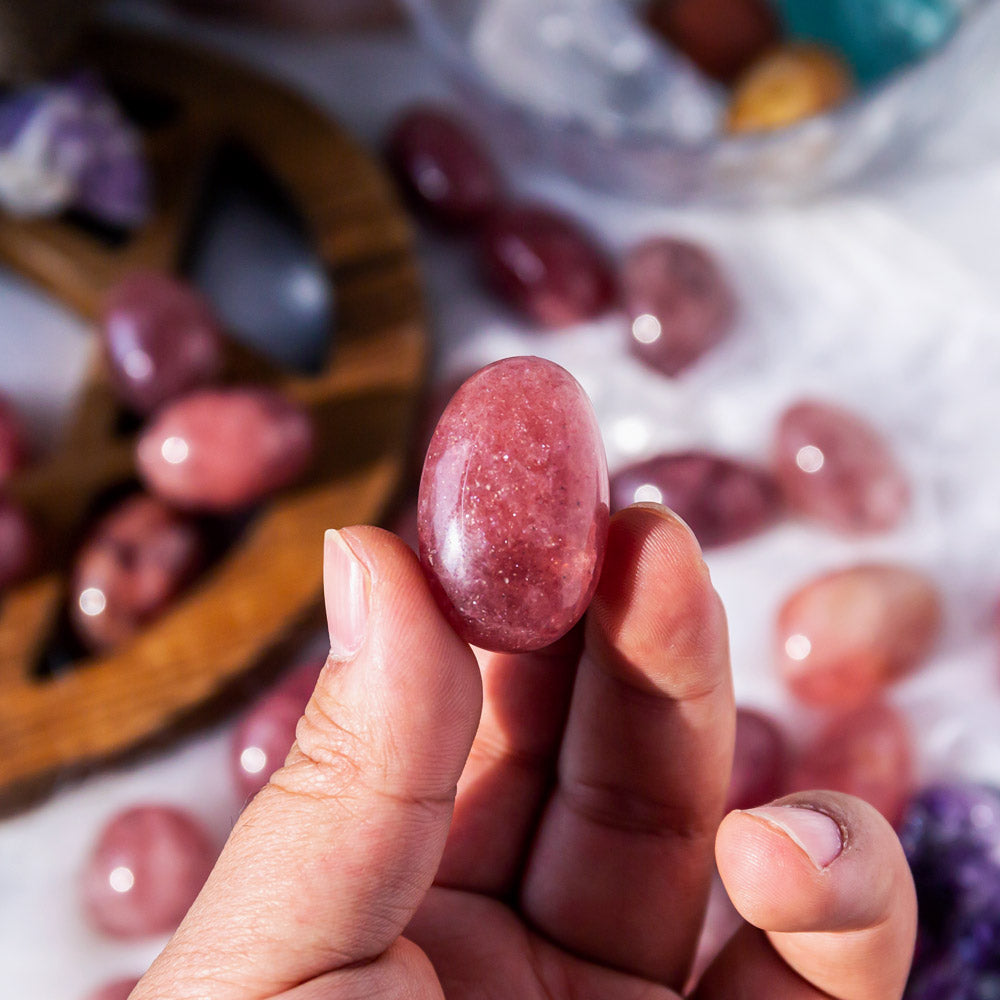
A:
605, 136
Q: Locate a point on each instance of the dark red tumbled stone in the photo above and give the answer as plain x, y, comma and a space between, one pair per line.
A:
722, 500
19, 542
223, 449
513, 506
442, 167
760, 761
137, 560
14, 451
161, 338
835, 467
546, 266
678, 301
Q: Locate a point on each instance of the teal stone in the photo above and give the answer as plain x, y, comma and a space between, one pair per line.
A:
875, 37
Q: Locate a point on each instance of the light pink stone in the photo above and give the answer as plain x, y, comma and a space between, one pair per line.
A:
678, 302
120, 989
836, 468
760, 761
513, 506
224, 449
866, 752
844, 636
148, 865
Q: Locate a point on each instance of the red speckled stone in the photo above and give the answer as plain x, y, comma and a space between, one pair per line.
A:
721, 499
513, 506
835, 467
721, 37
546, 266
138, 558
148, 865
678, 302
867, 753
161, 339
222, 449
262, 740
118, 990
760, 761
443, 169
845, 635
18, 542
14, 451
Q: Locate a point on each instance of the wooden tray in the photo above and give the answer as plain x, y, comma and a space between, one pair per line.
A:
236, 620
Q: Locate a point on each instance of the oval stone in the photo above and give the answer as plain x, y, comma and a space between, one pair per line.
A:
161, 339
14, 450
678, 301
224, 449
137, 560
513, 506
120, 989
760, 761
845, 635
721, 499
836, 468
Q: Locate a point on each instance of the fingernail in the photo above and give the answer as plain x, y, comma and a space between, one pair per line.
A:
815, 832
346, 584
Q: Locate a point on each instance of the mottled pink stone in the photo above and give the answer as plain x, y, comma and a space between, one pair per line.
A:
442, 168
678, 301
161, 339
262, 740
120, 989
136, 561
760, 761
546, 266
223, 449
148, 865
513, 506
721, 922
14, 451
19, 542
844, 636
723, 500
836, 468
866, 752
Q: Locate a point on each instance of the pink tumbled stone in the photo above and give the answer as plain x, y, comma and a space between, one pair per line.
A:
262, 740
513, 505
760, 761
442, 168
866, 752
19, 543
161, 339
222, 449
546, 266
721, 922
14, 451
845, 635
722, 500
136, 561
120, 989
679, 303
835, 467
148, 865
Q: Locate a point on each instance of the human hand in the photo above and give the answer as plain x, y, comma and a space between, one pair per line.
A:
575, 859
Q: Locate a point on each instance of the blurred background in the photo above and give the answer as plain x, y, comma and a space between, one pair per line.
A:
249, 249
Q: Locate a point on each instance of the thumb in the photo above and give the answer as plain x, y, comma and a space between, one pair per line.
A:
328, 863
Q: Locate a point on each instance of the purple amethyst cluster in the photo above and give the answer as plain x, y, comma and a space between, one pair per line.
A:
951, 834
67, 145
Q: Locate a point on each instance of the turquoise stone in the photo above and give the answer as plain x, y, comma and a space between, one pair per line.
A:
874, 36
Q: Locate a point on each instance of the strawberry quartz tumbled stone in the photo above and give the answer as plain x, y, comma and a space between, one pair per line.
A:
161, 339
546, 266
845, 635
678, 301
836, 468
721, 499
760, 761
513, 506
223, 449
121, 989
148, 865
442, 168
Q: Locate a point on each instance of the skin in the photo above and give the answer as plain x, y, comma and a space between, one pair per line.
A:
533, 826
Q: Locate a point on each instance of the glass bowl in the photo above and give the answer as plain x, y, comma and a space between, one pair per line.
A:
613, 144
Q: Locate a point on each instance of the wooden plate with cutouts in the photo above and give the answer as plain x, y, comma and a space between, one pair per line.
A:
235, 620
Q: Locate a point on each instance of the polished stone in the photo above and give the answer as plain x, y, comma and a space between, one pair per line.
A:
19, 542
14, 450
760, 761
